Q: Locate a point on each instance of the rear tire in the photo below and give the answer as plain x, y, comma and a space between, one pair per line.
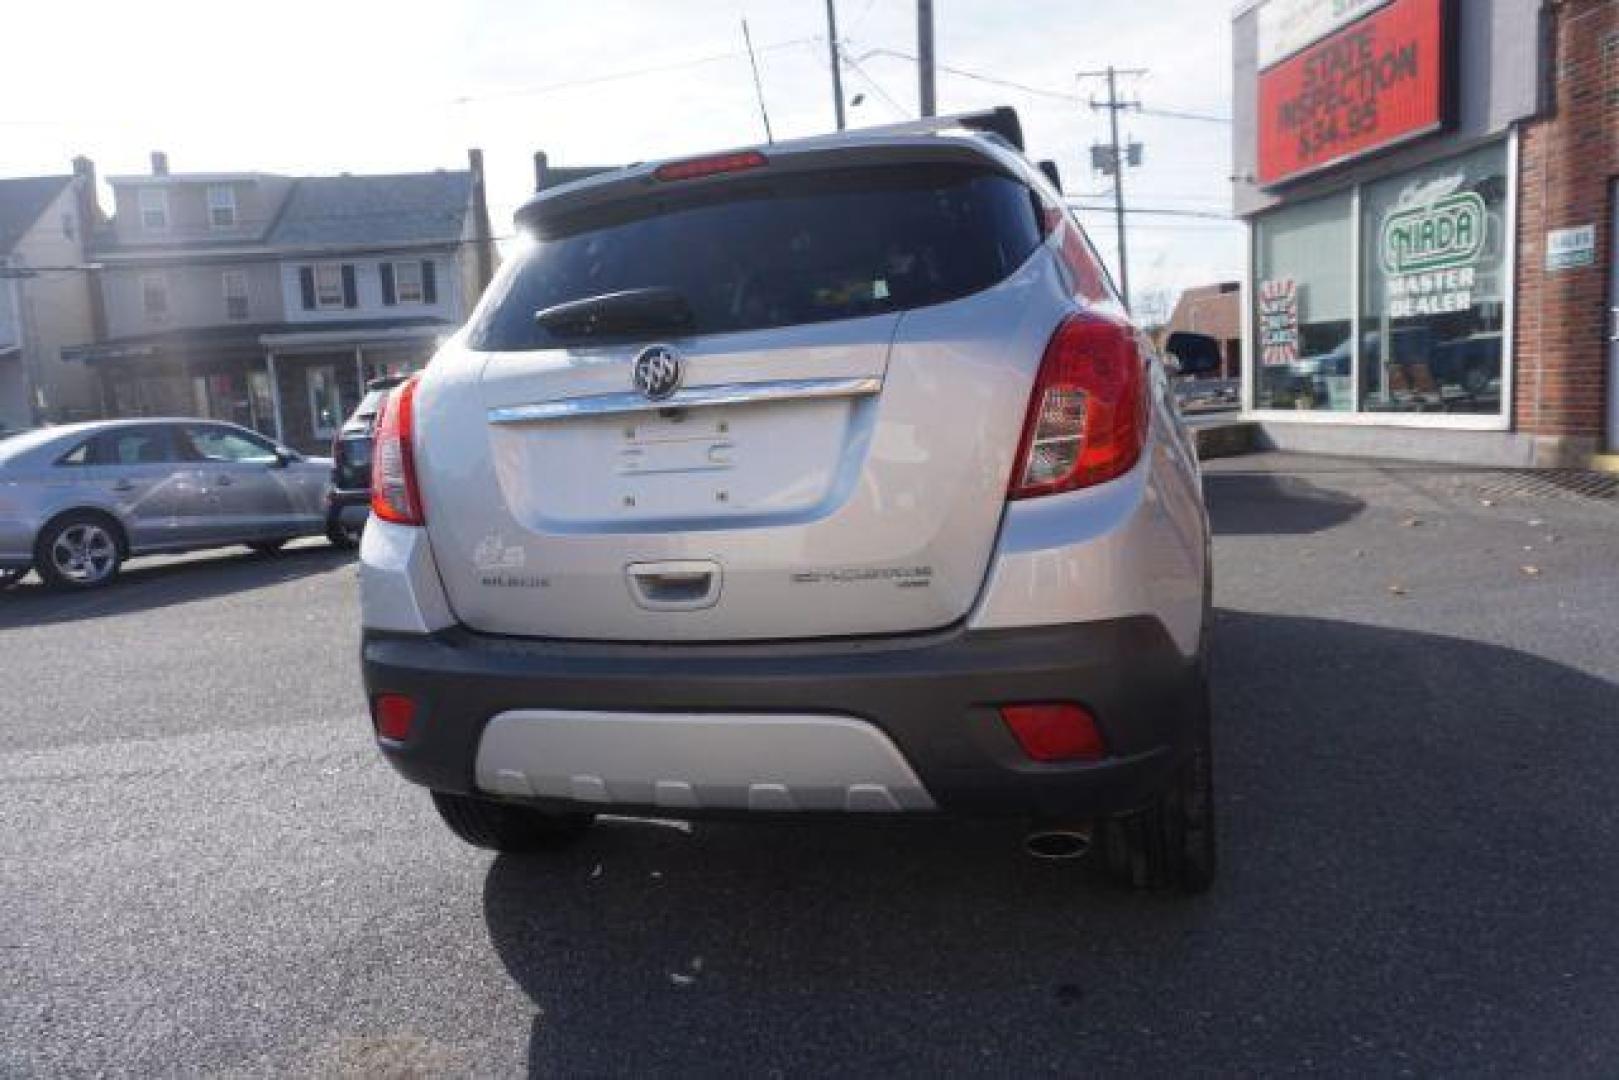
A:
1169, 844
509, 828
343, 537
79, 550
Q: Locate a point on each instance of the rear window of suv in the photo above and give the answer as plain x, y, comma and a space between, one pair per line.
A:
759, 253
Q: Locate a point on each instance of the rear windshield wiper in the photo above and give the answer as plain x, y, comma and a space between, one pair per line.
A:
614, 313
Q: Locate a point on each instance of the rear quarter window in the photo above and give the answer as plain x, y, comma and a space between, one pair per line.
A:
79, 455
761, 253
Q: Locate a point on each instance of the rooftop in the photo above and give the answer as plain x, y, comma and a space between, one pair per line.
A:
347, 211
22, 200
406, 208
186, 178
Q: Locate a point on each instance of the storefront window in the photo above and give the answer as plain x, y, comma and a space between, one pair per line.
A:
258, 394
325, 403
230, 396
1303, 297
1433, 246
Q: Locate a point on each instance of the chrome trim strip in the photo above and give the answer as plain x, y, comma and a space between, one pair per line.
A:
687, 398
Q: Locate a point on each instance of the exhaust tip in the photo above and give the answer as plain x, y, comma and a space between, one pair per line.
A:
1058, 844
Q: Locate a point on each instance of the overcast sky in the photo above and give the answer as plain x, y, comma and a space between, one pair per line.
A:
324, 86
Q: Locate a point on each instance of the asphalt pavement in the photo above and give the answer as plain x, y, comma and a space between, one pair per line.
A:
204, 867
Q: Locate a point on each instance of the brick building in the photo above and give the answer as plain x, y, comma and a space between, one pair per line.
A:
1568, 182
1429, 186
1214, 311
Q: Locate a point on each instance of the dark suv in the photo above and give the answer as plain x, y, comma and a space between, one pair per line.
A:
348, 498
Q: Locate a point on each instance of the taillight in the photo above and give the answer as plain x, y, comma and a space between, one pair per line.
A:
696, 168
1087, 419
395, 495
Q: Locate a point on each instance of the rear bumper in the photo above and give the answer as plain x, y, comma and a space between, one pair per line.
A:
933, 697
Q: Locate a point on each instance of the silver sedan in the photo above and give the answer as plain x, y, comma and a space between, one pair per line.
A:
76, 501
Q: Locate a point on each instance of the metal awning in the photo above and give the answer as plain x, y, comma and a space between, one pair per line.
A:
321, 339
249, 342
96, 354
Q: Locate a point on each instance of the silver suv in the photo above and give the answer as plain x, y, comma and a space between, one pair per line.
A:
826, 477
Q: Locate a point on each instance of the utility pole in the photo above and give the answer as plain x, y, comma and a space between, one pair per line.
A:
837, 67
1113, 158
924, 56
1118, 184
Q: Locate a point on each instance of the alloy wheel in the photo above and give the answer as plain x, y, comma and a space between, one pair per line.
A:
84, 553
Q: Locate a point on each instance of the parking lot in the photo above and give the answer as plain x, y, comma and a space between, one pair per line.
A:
208, 869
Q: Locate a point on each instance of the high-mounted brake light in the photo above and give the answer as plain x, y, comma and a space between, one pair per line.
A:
395, 495
1087, 419
696, 168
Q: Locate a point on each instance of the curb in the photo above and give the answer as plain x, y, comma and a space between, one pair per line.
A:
1225, 440
1604, 463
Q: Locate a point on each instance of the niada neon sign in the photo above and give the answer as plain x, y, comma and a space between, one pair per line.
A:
1445, 235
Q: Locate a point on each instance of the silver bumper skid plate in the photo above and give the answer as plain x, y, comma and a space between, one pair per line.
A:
698, 761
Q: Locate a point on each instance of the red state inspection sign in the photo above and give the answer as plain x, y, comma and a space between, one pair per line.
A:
1371, 85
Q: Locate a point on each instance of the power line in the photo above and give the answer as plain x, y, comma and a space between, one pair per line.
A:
865, 12
1157, 211
975, 76
1150, 222
854, 66
629, 73
1196, 228
1177, 114
1046, 92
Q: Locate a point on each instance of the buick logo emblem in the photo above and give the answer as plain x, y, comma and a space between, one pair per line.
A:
657, 373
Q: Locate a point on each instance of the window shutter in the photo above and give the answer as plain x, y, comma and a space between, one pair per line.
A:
306, 284
351, 296
388, 296
429, 281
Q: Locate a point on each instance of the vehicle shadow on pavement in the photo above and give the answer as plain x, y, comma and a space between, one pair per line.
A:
1418, 871
1272, 504
146, 585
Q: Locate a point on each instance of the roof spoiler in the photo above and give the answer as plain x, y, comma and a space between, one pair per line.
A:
1001, 120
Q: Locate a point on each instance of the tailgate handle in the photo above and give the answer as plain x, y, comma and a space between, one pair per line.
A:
688, 585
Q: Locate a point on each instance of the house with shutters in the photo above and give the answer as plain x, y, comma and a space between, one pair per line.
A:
46, 298
270, 301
